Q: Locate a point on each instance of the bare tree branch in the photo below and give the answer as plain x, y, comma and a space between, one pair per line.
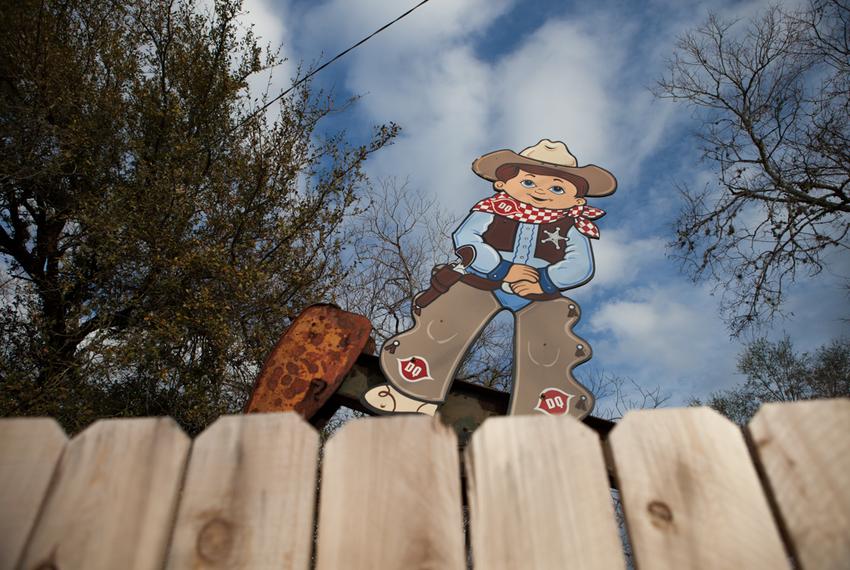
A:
773, 95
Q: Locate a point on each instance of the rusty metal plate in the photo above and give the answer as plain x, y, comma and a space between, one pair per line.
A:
309, 361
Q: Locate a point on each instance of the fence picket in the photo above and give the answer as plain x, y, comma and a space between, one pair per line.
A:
249, 495
113, 499
539, 496
804, 451
390, 497
29, 450
691, 495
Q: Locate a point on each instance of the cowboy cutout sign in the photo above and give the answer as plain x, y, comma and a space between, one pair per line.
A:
521, 250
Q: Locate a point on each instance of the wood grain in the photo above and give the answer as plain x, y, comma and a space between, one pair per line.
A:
113, 500
390, 497
691, 494
249, 495
804, 450
539, 496
29, 450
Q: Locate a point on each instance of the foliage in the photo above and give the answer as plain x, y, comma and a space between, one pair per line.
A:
153, 245
777, 373
773, 98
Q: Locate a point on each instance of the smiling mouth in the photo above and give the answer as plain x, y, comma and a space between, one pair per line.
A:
539, 199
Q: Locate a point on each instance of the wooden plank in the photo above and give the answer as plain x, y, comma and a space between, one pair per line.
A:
114, 498
691, 494
29, 450
539, 496
249, 495
804, 451
308, 363
391, 497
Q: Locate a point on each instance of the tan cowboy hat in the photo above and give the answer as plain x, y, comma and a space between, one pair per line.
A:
551, 154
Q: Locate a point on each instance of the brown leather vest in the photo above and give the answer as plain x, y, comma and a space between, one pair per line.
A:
501, 235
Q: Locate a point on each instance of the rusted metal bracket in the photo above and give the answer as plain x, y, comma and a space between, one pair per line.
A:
310, 361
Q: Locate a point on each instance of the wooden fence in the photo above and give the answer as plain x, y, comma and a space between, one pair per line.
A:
697, 493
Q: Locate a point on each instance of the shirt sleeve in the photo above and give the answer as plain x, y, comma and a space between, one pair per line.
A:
487, 259
575, 269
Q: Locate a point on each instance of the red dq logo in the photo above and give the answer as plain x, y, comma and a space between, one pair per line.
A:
504, 206
554, 402
414, 369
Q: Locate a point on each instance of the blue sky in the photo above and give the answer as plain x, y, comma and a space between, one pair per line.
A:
465, 77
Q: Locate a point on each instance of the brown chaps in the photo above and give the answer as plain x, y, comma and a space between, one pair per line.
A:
422, 362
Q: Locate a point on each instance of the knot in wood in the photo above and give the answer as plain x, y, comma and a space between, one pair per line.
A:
215, 541
660, 513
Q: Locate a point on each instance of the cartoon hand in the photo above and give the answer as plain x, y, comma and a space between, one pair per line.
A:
519, 272
524, 288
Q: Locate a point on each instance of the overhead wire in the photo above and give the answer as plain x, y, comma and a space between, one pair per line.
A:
283, 93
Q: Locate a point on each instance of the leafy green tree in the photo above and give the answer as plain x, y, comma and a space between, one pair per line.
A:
777, 373
155, 234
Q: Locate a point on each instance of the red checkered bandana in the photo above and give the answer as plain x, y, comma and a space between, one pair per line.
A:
503, 205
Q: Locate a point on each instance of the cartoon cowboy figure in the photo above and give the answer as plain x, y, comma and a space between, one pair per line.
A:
520, 250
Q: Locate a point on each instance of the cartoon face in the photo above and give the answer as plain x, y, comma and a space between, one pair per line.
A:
541, 190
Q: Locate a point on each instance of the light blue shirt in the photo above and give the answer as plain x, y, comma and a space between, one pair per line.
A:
574, 270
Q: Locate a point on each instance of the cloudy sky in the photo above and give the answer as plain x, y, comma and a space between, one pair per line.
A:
465, 77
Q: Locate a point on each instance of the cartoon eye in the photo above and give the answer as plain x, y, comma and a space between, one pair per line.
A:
528, 183
556, 190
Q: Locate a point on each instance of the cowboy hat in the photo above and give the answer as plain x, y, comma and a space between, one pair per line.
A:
550, 154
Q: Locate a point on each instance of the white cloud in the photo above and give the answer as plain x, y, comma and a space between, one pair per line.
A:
669, 333
421, 73
267, 22
569, 79
429, 28
446, 115
621, 258
666, 334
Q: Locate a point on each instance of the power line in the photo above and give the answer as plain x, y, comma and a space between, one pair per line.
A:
324, 65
